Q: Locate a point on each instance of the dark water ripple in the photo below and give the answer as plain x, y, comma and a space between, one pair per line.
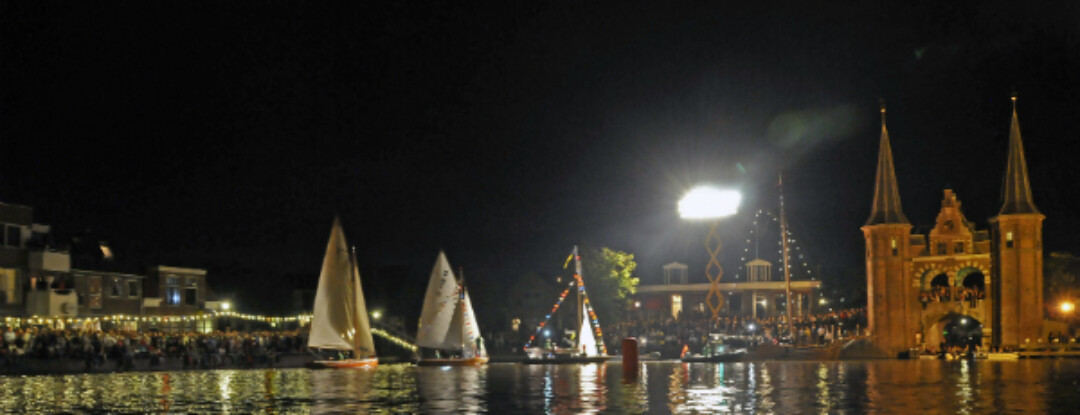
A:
902, 387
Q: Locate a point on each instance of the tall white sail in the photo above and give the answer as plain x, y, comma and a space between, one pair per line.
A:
365, 345
468, 328
333, 324
586, 340
440, 306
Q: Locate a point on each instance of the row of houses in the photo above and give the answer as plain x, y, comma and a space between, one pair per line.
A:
38, 278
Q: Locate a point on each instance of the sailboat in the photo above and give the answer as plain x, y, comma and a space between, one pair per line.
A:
447, 321
340, 320
726, 348
587, 348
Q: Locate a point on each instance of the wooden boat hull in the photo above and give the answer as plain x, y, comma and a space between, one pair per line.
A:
567, 360
370, 363
472, 361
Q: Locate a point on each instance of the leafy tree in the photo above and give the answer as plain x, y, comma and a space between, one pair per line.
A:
610, 282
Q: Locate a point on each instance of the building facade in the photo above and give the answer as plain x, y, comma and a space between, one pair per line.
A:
956, 279
762, 295
37, 279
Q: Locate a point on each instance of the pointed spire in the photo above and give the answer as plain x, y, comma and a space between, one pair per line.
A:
1015, 188
886, 207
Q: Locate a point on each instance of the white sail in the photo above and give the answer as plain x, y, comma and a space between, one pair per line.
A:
454, 339
440, 306
365, 345
586, 340
462, 332
333, 324
469, 329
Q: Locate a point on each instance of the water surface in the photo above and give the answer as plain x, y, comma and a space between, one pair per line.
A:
886, 386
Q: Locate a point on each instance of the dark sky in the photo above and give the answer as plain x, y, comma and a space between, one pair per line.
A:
227, 135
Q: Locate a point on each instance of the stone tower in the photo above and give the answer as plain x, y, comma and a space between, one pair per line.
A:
892, 319
1016, 253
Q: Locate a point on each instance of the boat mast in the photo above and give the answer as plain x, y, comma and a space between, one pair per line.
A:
351, 306
461, 308
579, 317
787, 267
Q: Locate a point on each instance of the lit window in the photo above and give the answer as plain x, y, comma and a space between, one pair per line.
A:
1008, 240
895, 250
172, 295
676, 305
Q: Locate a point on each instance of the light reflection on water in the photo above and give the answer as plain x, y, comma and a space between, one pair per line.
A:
1027, 386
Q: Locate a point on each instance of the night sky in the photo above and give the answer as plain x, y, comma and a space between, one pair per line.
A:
227, 136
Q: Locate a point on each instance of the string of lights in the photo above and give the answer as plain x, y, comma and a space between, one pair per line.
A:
302, 318
548, 316
592, 317
797, 256
601, 347
394, 339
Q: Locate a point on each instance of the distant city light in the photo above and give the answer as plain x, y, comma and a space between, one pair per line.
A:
637, 304
963, 321
376, 314
547, 333
823, 301
709, 203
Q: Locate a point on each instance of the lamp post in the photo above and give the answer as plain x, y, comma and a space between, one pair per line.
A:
708, 203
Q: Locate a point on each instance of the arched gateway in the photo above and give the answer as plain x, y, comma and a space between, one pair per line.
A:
921, 286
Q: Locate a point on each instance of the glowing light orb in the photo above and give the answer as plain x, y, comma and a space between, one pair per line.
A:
1067, 307
709, 203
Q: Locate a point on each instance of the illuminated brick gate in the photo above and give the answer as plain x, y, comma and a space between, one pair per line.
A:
915, 286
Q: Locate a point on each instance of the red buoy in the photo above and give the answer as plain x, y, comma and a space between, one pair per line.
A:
630, 359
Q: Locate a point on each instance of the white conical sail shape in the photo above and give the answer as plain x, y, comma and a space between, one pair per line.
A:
365, 345
440, 306
469, 328
333, 324
454, 330
586, 340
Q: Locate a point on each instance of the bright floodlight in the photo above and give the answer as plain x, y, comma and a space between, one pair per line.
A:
709, 203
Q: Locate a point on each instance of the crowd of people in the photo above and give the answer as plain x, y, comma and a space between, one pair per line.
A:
669, 333
942, 294
96, 347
